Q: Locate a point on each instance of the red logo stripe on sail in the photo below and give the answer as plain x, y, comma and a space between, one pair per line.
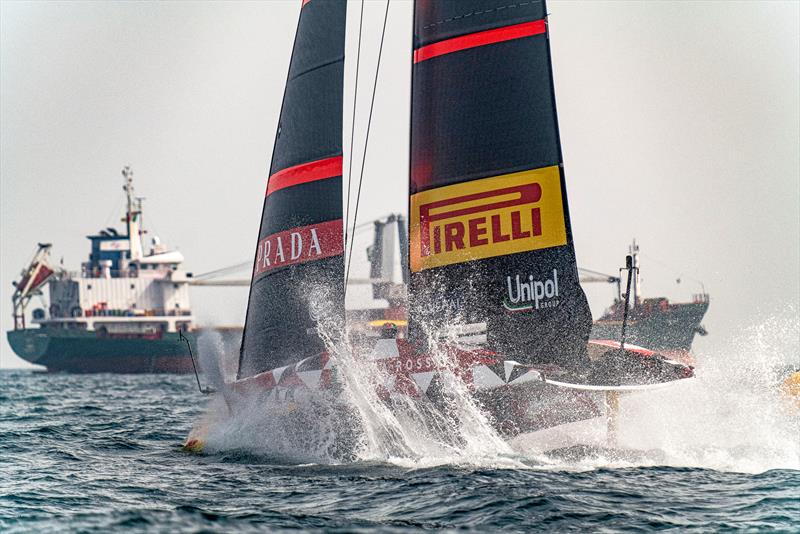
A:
304, 173
472, 40
299, 245
304, 3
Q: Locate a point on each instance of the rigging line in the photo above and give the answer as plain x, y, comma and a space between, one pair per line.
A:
671, 268
353, 127
366, 143
222, 271
115, 209
598, 273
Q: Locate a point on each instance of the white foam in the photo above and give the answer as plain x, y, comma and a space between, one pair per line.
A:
731, 417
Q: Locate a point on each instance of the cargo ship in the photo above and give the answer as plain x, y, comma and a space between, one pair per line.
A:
121, 313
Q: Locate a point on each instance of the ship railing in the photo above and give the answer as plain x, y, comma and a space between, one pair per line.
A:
156, 312
155, 271
63, 274
112, 273
94, 273
101, 311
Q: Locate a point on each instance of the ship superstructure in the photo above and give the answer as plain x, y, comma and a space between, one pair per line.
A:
122, 290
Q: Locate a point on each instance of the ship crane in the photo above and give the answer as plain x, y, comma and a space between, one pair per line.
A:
32, 279
588, 276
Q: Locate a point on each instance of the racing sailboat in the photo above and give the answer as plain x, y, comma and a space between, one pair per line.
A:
490, 240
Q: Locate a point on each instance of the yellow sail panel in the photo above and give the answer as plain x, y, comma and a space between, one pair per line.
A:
484, 218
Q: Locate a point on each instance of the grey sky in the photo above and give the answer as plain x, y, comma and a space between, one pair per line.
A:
680, 125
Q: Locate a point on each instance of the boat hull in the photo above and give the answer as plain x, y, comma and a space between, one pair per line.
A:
518, 399
80, 351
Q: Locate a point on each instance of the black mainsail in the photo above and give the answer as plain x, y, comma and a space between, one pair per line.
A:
490, 236
299, 254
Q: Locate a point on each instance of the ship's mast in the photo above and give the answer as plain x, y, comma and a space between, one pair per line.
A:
633, 250
127, 173
134, 208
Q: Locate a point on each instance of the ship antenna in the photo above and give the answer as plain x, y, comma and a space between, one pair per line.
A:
139, 209
127, 173
633, 250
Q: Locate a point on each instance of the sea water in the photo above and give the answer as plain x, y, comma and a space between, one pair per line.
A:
98, 453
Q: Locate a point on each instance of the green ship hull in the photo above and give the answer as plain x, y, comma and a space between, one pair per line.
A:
81, 351
665, 328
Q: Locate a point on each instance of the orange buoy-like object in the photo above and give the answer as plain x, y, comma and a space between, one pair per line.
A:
791, 388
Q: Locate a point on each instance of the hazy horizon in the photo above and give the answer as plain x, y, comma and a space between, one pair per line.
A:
680, 126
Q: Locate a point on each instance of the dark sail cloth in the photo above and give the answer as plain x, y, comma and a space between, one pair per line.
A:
490, 236
297, 284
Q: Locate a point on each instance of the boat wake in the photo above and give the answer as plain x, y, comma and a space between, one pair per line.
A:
731, 417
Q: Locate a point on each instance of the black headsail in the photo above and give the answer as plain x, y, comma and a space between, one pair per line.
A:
299, 254
490, 230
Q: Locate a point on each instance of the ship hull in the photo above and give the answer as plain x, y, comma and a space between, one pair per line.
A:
666, 331
79, 351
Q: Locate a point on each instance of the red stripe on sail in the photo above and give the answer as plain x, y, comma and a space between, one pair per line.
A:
305, 172
299, 245
472, 40
304, 3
